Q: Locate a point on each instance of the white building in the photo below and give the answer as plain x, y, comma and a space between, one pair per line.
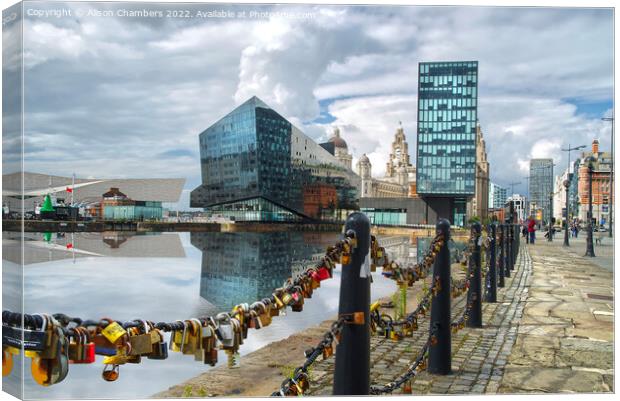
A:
519, 202
559, 196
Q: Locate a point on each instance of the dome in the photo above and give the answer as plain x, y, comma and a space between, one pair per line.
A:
364, 159
337, 140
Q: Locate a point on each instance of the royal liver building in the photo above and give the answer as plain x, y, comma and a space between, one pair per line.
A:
399, 174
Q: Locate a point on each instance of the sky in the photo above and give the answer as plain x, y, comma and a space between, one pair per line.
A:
126, 97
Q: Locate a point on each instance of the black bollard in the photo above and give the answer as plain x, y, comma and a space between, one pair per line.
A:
517, 242
508, 251
474, 294
515, 247
440, 355
502, 256
492, 279
352, 371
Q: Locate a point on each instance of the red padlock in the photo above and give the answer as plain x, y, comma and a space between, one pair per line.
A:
323, 273
88, 352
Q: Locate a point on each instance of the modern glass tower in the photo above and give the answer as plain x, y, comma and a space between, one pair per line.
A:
446, 147
257, 166
541, 186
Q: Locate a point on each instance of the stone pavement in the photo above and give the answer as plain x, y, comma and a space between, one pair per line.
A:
550, 331
565, 338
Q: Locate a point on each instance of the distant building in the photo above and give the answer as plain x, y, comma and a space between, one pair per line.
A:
85, 193
497, 196
399, 174
541, 185
519, 204
118, 206
479, 204
601, 184
256, 165
339, 149
446, 151
559, 196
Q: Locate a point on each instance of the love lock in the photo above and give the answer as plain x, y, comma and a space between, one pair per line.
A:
7, 362
110, 373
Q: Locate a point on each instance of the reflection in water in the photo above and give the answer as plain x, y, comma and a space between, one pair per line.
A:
47, 247
245, 267
140, 279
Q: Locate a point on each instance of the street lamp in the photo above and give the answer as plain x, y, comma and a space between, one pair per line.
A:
568, 166
611, 173
566, 186
590, 241
550, 221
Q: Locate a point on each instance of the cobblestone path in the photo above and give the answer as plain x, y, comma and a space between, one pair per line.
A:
479, 356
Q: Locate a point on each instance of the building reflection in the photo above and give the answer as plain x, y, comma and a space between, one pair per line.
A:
245, 267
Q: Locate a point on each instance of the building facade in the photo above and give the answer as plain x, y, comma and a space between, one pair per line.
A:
399, 173
541, 186
479, 204
256, 165
601, 185
519, 205
559, 196
446, 146
497, 196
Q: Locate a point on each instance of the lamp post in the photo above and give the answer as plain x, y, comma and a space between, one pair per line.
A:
611, 173
550, 221
590, 241
566, 186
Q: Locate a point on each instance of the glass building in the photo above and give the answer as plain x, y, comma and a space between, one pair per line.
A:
497, 196
447, 117
541, 185
257, 166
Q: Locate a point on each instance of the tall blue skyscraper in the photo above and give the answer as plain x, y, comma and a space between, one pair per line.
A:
446, 147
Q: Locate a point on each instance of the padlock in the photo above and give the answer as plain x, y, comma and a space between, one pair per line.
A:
159, 349
110, 373
7, 362
113, 332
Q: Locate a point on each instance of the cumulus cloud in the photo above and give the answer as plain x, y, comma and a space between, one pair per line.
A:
129, 96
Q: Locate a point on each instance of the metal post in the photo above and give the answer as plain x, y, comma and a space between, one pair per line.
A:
474, 291
440, 355
566, 186
492, 289
550, 221
513, 248
508, 252
352, 371
502, 255
590, 239
517, 243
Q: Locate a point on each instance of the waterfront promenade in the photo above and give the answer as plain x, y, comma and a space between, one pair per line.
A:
551, 331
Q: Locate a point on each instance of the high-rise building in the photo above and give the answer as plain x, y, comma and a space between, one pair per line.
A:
541, 186
446, 147
559, 196
258, 166
497, 196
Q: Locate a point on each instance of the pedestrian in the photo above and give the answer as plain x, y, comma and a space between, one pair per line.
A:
577, 230
524, 234
531, 228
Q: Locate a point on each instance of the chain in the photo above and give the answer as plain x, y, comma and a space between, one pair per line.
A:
418, 364
299, 383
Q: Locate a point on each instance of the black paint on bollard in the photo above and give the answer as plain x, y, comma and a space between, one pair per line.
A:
492, 279
508, 251
517, 243
502, 255
352, 371
474, 294
440, 355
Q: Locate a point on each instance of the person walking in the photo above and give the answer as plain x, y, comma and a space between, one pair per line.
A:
524, 234
531, 229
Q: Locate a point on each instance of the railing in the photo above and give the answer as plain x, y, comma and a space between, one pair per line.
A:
52, 341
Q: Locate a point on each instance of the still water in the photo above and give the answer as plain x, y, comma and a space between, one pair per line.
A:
165, 277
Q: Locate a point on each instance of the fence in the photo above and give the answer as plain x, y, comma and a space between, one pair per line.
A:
53, 341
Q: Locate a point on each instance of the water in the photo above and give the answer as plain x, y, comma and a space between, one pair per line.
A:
164, 277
